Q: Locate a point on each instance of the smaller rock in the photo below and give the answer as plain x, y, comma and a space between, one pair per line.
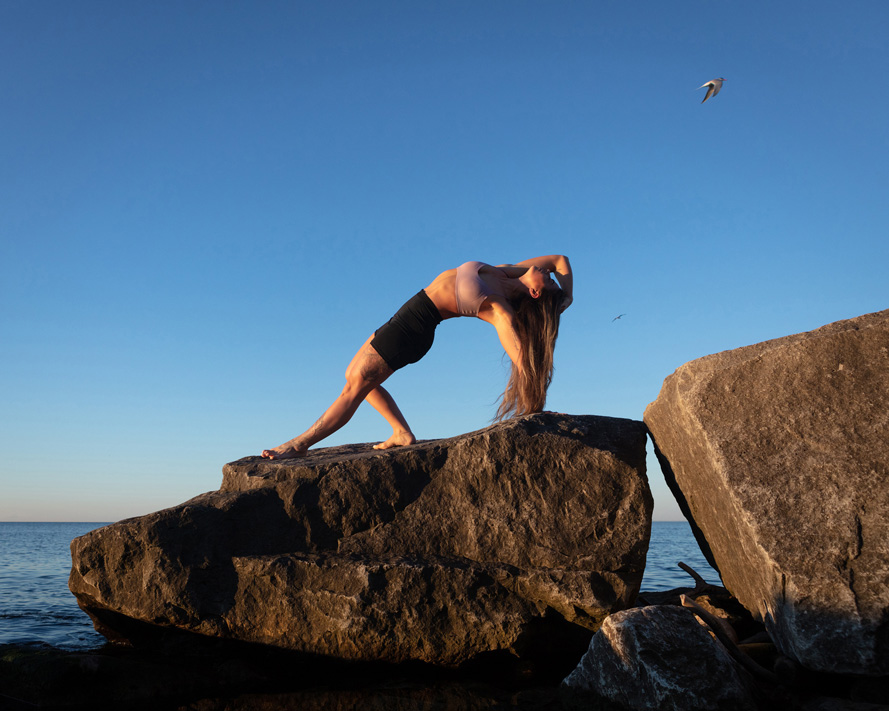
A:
657, 658
718, 602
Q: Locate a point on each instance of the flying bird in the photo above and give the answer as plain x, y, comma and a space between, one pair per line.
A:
617, 317
714, 86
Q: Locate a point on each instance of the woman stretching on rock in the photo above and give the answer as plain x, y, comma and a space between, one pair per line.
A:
520, 300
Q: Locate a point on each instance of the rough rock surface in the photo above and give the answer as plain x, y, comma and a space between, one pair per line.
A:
658, 658
779, 455
524, 533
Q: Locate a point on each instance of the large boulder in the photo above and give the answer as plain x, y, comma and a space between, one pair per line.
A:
658, 658
778, 454
503, 540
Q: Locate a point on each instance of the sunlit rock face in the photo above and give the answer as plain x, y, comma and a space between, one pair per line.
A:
779, 455
514, 539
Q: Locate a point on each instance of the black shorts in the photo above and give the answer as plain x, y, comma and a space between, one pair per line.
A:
408, 335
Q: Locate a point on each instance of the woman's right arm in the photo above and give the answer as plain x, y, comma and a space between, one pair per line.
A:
552, 263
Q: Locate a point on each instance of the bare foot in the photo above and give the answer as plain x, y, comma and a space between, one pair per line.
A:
399, 439
288, 450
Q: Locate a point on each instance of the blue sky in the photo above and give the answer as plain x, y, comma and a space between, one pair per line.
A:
208, 206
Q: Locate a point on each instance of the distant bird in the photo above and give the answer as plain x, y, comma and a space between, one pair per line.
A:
617, 317
715, 85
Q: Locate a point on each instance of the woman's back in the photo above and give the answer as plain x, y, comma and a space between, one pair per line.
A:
441, 292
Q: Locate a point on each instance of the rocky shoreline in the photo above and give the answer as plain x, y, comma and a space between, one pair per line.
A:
188, 672
502, 568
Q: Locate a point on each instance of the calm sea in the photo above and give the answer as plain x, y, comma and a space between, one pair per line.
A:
36, 606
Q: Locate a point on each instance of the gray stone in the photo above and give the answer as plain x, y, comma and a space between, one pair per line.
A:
778, 454
658, 658
508, 539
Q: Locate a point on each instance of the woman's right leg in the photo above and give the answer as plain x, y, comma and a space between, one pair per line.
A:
365, 374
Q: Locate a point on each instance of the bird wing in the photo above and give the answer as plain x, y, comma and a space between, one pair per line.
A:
715, 85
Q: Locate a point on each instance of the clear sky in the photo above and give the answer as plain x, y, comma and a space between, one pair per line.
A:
206, 207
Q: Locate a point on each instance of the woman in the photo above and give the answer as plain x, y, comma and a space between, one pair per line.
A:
520, 300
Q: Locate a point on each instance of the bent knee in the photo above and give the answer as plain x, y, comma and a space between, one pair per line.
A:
358, 384
354, 377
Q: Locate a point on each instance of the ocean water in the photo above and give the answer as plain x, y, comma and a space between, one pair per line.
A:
672, 542
36, 605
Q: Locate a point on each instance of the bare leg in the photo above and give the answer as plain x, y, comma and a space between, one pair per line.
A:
366, 372
383, 403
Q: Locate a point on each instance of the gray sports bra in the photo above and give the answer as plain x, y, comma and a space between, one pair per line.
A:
471, 289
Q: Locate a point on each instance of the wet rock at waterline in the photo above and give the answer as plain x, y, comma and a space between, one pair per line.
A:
779, 455
519, 538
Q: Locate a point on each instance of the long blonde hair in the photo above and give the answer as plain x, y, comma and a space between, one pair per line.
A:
536, 324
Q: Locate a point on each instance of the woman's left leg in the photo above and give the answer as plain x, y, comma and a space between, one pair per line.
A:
365, 373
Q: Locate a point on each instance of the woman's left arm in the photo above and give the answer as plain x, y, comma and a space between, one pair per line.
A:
500, 316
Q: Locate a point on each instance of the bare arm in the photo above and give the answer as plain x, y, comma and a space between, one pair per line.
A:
500, 316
